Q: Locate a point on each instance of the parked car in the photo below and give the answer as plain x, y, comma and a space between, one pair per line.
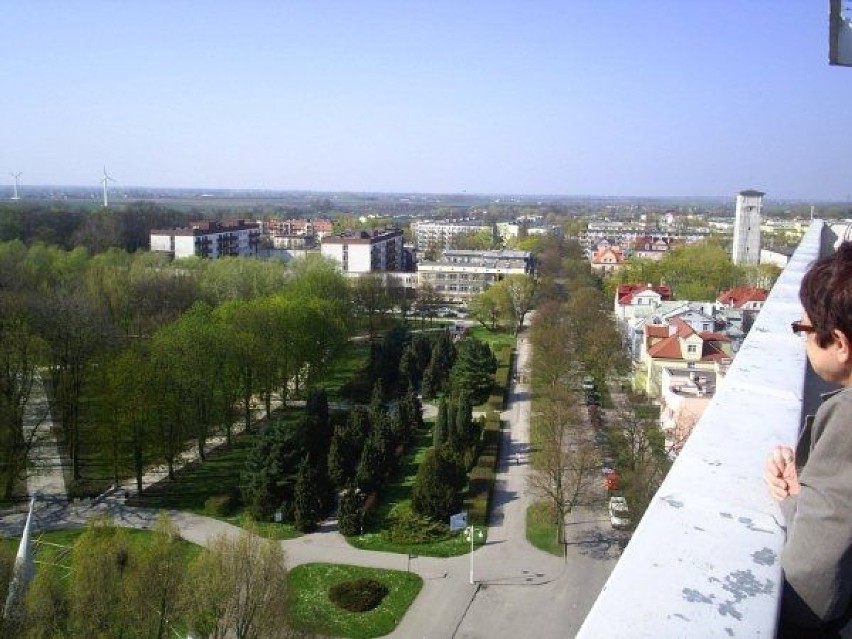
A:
612, 481
588, 383
619, 513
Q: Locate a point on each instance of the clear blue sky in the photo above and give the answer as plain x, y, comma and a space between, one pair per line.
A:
598, 97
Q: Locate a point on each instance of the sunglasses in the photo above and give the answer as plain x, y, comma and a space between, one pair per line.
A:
800, 328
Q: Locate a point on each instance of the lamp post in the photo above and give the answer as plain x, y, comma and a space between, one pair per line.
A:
472, 533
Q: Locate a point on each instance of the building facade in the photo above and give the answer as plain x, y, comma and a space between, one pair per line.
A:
439, 235
209, 239
461, 275
747, 227
360, 252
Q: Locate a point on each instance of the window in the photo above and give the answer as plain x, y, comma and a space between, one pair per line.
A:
692, 348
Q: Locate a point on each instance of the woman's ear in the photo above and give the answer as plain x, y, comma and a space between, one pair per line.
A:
843, 347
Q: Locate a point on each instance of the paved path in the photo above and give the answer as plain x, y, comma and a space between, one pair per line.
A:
44, 471
519, 590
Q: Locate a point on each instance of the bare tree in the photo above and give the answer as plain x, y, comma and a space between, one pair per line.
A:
639, 444
565, 468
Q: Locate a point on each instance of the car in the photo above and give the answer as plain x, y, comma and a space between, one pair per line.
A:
588, 383
612, 480
619, 513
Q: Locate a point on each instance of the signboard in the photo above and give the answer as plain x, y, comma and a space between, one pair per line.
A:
279, 516
458, 521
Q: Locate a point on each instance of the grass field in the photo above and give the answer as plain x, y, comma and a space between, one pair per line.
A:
311, 610
541, 529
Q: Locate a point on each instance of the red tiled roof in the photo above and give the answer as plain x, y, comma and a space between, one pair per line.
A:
625, 292
668, 348
738, 296
709, 336
600, 253
655, 330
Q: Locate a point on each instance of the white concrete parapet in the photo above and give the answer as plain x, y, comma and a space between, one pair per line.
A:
705, 559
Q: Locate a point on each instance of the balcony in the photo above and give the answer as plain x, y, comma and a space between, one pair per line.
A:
705, 559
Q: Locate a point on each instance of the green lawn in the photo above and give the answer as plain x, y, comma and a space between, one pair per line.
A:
495, 339
541, 531
218, 475
311, 610
346, 368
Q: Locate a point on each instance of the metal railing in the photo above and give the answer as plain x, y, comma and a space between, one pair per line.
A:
704, 561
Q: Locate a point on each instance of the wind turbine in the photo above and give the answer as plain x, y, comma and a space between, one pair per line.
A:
17, 177
106, 178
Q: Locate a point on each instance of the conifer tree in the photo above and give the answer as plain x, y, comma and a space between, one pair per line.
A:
349, 513
305, 498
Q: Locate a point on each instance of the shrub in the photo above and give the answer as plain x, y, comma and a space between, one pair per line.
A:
223, 505
407, 527
358, 595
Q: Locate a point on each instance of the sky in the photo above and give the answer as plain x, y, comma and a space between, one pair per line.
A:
567, 97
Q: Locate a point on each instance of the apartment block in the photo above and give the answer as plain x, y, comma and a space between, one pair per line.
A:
365, 251
209, 239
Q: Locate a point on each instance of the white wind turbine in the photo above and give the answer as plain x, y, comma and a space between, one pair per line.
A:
17, 177
106, 178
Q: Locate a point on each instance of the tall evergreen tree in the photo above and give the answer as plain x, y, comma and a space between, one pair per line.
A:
349, 513
464, 420
439, 434
436, 488
306, 502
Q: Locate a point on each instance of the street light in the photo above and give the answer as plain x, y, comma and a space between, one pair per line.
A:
471, 533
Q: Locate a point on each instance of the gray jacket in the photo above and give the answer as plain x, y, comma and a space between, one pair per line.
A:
817, 557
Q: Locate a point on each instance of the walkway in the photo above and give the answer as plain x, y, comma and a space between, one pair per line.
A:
517, 586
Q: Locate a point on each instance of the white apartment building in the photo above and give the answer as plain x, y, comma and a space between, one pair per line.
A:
439, 234
209, 239
461, 275
365, 251
746, 248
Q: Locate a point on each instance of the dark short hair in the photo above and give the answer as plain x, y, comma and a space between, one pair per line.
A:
826, 294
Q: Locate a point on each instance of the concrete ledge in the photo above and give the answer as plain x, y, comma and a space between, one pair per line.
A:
705, 559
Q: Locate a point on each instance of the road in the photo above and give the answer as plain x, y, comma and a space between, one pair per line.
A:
517, 586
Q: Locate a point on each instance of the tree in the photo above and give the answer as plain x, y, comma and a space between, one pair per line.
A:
371, 300
427, 301
270, 473
473, 371
77, 331
306, 502
490, 306
47, 614
346, 447
349, 513
437, 485
154, 581
439, 433
21, 352
566, 457
99, 561
639, 446
374, 461
238, 586
520, 290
